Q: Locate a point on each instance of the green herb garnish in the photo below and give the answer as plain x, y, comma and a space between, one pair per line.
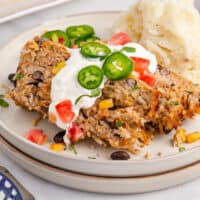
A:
135, 88
129, 49
51, 47
189, 91
90, 157
118, 123
174, 103
2, 96
94, 93
18, 76
3, 103
181, 149
72, 148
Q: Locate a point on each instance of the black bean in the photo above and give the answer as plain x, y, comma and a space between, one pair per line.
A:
44, 109
34, 83
58, 138
159, 67
151, 126
120, 155
166, 131
11, 77
38, 75
113, 108
111, 83
131, 82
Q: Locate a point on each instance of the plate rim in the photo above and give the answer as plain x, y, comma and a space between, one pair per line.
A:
10, 150
31, 10
23, 154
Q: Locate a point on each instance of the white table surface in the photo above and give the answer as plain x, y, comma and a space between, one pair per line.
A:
41, 189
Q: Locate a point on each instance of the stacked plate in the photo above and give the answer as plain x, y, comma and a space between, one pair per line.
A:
166, 166
11, 9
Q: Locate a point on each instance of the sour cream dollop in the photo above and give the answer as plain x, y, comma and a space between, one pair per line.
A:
65, 85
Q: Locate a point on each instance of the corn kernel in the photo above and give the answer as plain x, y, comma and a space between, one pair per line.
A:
58, 147
58, 67
193, 137
105, 104
52, 117
131, 76
179, 137
182, 134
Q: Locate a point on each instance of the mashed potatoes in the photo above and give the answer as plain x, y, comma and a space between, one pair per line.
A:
170, 29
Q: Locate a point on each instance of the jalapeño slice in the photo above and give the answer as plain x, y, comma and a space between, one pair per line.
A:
117, 66
90, 77
95, 50
80, 31
82, 41
57, 36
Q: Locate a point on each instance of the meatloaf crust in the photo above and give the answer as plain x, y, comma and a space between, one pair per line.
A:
32, 90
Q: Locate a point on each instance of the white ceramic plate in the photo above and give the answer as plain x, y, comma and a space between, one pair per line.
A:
15, 122
99, 184
11, 9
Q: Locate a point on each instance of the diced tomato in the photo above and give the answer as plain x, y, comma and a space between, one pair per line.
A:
65, 112
119, 39
61, 40
140, 64
75, 133
36, 136
147, 77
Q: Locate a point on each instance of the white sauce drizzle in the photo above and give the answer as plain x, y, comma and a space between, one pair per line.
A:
65, 85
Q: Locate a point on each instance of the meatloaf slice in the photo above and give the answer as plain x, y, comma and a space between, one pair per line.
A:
141, 110
179, 99
132, 102
164, 106
32, 89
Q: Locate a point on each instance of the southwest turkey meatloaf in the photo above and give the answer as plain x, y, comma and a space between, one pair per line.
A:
139, 111
32, 88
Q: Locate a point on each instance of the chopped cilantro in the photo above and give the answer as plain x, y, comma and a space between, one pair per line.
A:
90, 157
3, 103
135, 88
72, 148
51, 47
119, 123
174, 103
189, 91
181, 149
18, 76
